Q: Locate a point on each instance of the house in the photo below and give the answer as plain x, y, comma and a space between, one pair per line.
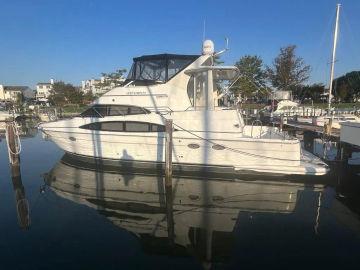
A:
92, 85
43, 90
12, 93
100, 86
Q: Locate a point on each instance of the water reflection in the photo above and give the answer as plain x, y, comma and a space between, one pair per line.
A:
21, 203
203, 225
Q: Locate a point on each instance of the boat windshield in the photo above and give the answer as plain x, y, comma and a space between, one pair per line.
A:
159, 68
100, 110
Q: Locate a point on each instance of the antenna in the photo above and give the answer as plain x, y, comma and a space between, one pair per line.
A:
226, 43
204, 29
226, 47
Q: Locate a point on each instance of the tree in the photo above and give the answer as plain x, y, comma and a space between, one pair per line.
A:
88, 97
288, 71
312, 92
342, 91
347, 87
112, 79
252, 77
19, 102
65, 93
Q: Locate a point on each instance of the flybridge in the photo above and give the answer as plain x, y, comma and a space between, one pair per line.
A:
159, 68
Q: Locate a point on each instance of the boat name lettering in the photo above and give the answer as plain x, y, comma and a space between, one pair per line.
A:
136, 93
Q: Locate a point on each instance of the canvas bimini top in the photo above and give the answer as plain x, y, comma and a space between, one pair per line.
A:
158, 68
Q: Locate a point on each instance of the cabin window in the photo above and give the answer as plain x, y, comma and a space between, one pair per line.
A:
125, 126
152, 70
136, 127
159, 68
176, 65
113, 110
112, 126
157, 128
190, 90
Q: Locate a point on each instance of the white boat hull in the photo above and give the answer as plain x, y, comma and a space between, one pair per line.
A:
241, 152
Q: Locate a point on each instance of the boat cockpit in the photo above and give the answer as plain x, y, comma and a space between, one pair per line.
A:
205, 84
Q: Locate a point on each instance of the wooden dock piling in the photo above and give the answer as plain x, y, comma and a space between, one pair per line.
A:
168, 152
168, 180
281, 122
12, 143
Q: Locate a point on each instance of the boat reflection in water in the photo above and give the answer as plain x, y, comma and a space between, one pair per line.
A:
205, 212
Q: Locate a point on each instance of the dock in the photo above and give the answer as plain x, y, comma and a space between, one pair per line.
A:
312, 128
317, 136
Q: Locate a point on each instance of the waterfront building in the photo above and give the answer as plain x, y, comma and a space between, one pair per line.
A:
100, 86
11, 93
43, 90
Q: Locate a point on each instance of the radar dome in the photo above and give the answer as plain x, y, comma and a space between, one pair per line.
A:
208, 47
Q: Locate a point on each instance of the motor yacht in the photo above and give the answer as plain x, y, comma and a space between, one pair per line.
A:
127, 124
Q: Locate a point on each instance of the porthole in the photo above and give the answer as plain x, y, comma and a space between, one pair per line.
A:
72, 139
218, 147
193, 145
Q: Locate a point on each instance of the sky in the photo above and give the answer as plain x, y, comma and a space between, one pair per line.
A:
79, 39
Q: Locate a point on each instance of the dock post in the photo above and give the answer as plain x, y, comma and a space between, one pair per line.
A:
168, 180
168, 152
12, 143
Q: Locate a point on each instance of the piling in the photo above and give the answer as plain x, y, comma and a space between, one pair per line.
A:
168, 152
13, 143
168, 180
281, 122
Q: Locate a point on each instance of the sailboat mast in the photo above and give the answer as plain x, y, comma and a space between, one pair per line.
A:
333, 55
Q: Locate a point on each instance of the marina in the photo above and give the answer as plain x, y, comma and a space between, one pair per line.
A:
181, 136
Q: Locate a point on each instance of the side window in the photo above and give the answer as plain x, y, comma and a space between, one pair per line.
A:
118, 110
95, 111
90, 113
102, 110
136, 127
112, 110
92, 126
157, 128
190, 89
112, 126
120, 126
136, 110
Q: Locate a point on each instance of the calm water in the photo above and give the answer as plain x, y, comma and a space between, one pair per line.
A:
90, 219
